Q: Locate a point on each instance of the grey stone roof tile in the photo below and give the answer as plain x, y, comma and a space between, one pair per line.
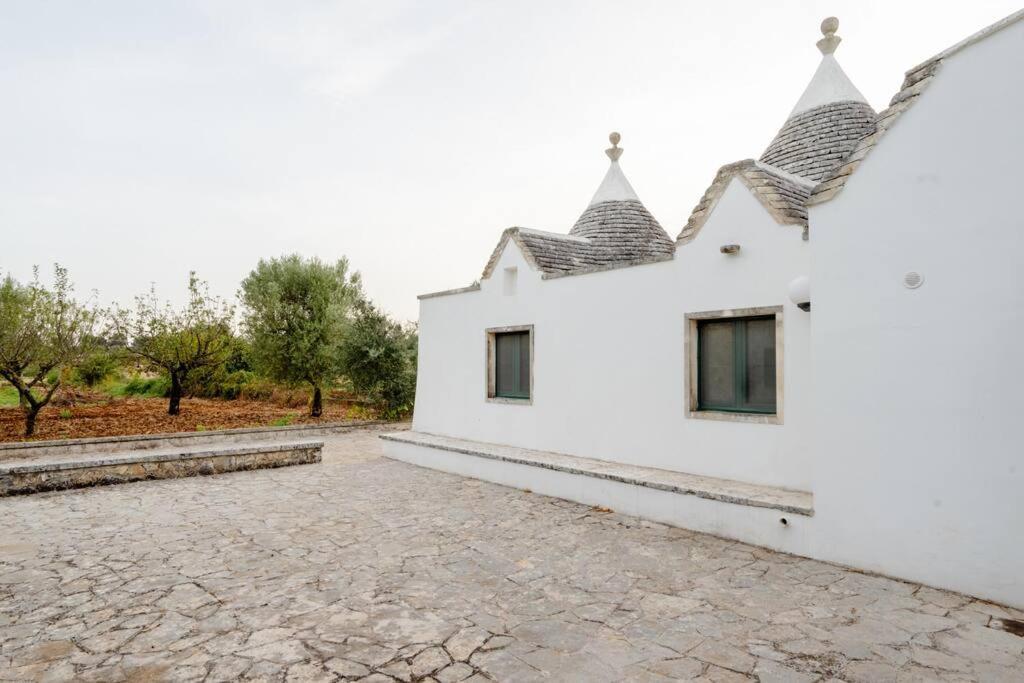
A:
814, 142
608, 234
783, 195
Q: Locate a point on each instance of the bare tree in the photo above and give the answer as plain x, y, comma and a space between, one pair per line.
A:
41, 330
177, 342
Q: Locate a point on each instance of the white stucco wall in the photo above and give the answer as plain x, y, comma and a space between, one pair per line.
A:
907, 430
609, 355
918, 393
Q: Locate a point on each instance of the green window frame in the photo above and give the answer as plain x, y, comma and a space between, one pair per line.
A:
736, 365
512, 371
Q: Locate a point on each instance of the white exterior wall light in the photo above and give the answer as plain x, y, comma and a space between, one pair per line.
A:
800, 292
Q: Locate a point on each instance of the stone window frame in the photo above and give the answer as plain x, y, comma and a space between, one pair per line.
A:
693, 410
490, 334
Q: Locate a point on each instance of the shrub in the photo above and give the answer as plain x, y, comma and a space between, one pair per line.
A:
146, 387
379, 357
226, 380
95, 368
220, 384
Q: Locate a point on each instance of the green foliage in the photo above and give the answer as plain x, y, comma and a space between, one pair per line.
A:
177, 342
379, 356
259, 389
144, 387
8, 396
42, 331
296, 313
65, 414
358, 412
284, 421
227, 380
94, 368
231, 386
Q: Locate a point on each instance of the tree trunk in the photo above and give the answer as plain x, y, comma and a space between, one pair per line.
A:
316, 409
30, 420
174, 408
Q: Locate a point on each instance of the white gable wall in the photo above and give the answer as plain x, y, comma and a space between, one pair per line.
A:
609, 355
919, 394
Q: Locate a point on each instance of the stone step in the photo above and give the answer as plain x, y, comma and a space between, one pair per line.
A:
711, 488
58, 471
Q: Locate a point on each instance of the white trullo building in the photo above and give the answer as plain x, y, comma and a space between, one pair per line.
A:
826, 360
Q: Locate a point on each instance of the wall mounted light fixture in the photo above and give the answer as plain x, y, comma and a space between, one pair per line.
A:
800, 292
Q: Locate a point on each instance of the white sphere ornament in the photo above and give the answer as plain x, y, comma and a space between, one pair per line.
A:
800, 292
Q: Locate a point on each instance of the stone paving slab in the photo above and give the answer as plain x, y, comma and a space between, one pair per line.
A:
712, 488
364, 568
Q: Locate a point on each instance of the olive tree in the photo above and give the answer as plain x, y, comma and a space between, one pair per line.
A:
178, 342
41, 330
296, 313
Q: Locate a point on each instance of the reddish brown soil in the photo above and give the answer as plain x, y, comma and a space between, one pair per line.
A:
149, 416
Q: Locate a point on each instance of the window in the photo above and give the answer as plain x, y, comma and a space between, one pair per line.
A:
735, 365
736, 369
509, 360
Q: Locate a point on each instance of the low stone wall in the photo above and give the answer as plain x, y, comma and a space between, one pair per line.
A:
117, 444
53, 475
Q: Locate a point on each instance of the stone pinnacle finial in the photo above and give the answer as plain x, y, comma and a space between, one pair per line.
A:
614, 152
831, 41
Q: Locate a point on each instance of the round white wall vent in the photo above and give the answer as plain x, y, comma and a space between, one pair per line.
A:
913, 280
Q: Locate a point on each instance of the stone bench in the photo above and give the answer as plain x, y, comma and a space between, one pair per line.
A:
14, 450
724, 490
56, 472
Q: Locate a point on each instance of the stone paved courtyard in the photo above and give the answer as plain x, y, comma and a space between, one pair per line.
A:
363, 568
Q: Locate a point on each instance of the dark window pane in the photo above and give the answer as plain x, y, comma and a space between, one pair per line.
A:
716, 374
760, 368
512, 364
524, 364
506, 351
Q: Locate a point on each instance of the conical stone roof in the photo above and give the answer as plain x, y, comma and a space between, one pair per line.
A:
827, 122
616, 230
617, 220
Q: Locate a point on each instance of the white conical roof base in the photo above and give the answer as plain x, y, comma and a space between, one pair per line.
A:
829, 84
614, 187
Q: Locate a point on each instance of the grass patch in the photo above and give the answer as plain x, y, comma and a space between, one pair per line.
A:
143, 387
8, 396
284, 421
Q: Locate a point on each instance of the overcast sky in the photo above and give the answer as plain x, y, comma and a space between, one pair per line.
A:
141, 140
